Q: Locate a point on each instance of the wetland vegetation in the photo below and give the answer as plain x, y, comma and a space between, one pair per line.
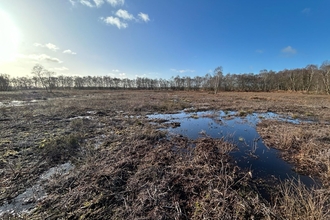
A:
121, 163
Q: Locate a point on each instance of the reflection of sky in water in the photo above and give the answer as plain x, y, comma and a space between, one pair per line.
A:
252, 154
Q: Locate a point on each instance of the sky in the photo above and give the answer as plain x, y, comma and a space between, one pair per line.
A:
161, 39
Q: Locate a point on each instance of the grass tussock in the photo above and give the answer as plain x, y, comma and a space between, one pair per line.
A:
167, 180
296, 201
305, 145
60, 149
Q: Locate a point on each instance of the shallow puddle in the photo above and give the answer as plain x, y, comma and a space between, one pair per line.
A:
16, 103
252, 154
26, 201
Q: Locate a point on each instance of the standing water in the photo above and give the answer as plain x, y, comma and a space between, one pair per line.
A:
27, 201
252, 154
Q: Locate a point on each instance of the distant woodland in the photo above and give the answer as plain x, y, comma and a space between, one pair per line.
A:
311, 79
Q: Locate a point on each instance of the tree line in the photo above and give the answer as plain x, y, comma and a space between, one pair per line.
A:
309, 79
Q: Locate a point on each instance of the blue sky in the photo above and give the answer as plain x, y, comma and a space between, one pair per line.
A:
160, 39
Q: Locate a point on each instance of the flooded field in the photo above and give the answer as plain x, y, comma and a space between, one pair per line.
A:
232, 155
251, 154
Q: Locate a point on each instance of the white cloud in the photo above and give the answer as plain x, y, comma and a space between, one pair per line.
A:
40, 57
98, 3
63, 68
52, 47
124, 14
183, 71
114, 21
259, 51
118, 75
49, 46
289, 50
144, 17
87, 3
115, 3
306, 11
69, 52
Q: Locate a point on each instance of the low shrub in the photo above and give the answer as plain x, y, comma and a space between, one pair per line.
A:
60, 149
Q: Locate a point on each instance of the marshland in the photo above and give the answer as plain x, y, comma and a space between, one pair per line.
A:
124, 109
126, 154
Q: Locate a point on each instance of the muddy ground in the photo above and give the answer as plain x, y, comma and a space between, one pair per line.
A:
127, 169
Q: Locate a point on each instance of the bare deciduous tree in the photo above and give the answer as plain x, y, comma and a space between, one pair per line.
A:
218, 75
325, 71
4, 82
45, 76
309, 76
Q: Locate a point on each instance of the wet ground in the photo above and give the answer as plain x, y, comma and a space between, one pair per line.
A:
251, 154
27, 201
111, 124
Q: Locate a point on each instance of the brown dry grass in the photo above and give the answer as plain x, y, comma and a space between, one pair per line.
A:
300, 105
134, 172
151, 179
306, 145
295, 201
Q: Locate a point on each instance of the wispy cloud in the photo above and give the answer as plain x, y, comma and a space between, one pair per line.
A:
289, 50
72, 2
87, 3
116, 71
98, 3
144, 17
83, 2
124, 14
117, 74
49, 46
114, 21
120, 18
63, 68
115, 3
259, 51
183, 71
40, 57
306, 11
143, 75
69, 52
